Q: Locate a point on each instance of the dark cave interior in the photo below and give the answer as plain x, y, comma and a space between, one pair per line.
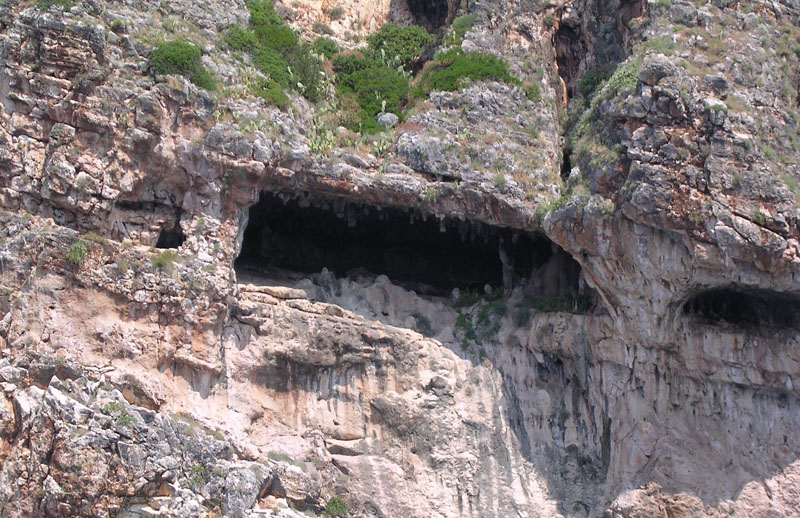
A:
746, 308
425, 253
171, 237
431, 14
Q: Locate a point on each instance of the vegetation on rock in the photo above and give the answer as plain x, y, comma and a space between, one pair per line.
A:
280, 54
452, 69
183, 58
336, 507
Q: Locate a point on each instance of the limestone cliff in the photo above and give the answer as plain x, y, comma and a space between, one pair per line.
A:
575, 293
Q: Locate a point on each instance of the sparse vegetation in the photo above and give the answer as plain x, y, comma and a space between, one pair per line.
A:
164, 259
44, 5
198, 475
77, 253
335, 13
460, 27
336, 507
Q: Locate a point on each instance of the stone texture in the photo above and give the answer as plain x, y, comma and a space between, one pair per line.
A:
139, 383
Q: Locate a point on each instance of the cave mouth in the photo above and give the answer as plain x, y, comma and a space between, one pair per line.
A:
171, 237
430, 255
431, 14
746, 308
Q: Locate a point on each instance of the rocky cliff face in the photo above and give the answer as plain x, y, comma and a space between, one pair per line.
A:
578, 303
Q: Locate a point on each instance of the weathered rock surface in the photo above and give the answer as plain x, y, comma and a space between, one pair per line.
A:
144, 372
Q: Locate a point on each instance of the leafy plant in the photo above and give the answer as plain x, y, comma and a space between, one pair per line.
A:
374, 86
124, 419
278, 52
198, 475
322, 28
164, 259
452, 68
460, 27
112, 408
336, 507
77, 253
404, 43
325, 47
182, 58
589, 82
271, 92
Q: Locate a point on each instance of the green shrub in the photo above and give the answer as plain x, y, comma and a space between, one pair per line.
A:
164, 259
278, 52
373, 85
336, 507
271, 92
376, 89
402, 43
452, 68
460, 27
347, 64
335, 13
274, 66
77, 253
589, 82
117, 26
183, 58
534, 92
241, 39
324, 47
124, 419
112, 408
625, 78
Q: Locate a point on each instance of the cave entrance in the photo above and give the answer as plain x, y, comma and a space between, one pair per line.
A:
746, 308
430, 255
431, 14
171, 237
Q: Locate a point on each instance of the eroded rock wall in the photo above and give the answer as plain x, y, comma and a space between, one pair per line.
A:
620, 402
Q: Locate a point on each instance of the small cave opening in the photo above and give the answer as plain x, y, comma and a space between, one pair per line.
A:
430, 255
746, 308
566, 163
431, 14
171, 237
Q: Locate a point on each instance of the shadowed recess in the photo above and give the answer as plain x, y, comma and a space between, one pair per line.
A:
423, 253
171, 237
746, 308
429, 13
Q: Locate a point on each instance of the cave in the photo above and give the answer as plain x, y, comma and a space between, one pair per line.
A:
171, 237
746, 308
431, 14
431, 255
